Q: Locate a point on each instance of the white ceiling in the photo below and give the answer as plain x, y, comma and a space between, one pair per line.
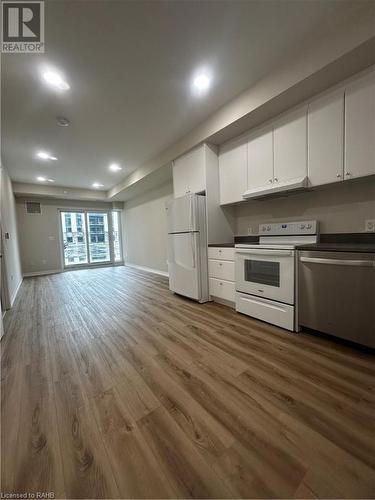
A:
129, 65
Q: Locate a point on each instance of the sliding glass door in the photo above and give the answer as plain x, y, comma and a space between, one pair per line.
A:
116, 228
90, 237
73, 226
98, 236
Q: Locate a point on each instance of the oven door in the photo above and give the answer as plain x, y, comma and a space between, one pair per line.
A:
266, 273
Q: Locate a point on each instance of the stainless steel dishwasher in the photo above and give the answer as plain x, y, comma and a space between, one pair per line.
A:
336, 294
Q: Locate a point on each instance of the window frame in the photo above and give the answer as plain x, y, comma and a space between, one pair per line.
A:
86, 211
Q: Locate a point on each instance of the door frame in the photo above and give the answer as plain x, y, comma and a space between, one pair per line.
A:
89, 264
4, 290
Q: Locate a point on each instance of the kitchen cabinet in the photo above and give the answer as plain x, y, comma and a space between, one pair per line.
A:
221, 274
260, 159
233, 172
290, 146
189, 173
198, 172
222, 289
221, 253
360, 127
221, 269
326, 139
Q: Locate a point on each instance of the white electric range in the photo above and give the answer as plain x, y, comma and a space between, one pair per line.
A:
266, 272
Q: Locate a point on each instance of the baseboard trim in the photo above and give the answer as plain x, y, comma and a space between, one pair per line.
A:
42, 273
224, 302
148, 269
12, 299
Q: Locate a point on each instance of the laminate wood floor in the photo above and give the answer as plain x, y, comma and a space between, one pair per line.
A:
112, 387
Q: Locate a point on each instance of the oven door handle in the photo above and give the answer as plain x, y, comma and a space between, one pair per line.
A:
270, 253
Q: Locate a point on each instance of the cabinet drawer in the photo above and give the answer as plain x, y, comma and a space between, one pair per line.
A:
221, 269
222, 289
221, 253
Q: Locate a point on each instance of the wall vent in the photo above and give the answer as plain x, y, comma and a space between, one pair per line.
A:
33, 208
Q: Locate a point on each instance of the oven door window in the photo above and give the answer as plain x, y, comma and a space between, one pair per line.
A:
263, 272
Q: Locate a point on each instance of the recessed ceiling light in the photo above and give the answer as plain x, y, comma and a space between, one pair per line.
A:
50, 180
114, 167
53, 79
41, 179
97, 185
201, 83
43, 155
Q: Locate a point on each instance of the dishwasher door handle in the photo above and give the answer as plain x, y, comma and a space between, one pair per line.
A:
339, 262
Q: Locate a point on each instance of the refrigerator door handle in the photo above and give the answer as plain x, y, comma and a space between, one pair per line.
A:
190, 212
192, 241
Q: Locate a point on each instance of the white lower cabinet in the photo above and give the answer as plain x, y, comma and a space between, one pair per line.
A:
221, 269
221, 253
221, 274
222, 289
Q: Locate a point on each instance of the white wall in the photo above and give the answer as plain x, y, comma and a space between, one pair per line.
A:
40, 239
341, 208
13, 274
145, 229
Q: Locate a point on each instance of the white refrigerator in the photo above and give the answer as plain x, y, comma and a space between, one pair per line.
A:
187, 247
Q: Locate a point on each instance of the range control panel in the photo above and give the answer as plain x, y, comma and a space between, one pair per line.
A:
289, 228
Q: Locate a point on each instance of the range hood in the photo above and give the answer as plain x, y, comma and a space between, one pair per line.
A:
281, 187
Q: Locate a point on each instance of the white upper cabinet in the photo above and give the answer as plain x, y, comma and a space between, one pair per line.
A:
290, 146
260, 159
189, 173
360, 128
330, 139
326, 139
232, 172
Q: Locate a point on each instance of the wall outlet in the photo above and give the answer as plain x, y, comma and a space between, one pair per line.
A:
370, 226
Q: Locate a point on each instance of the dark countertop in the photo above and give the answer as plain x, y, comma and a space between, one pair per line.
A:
339, 247
329, 242
237, 239
222, 245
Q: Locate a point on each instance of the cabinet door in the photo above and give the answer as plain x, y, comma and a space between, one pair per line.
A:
233, 172
180, 179
360, 127
326, 139
290, 146
260, 159
189, 173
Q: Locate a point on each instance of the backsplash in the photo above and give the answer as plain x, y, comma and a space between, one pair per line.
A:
340, 208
